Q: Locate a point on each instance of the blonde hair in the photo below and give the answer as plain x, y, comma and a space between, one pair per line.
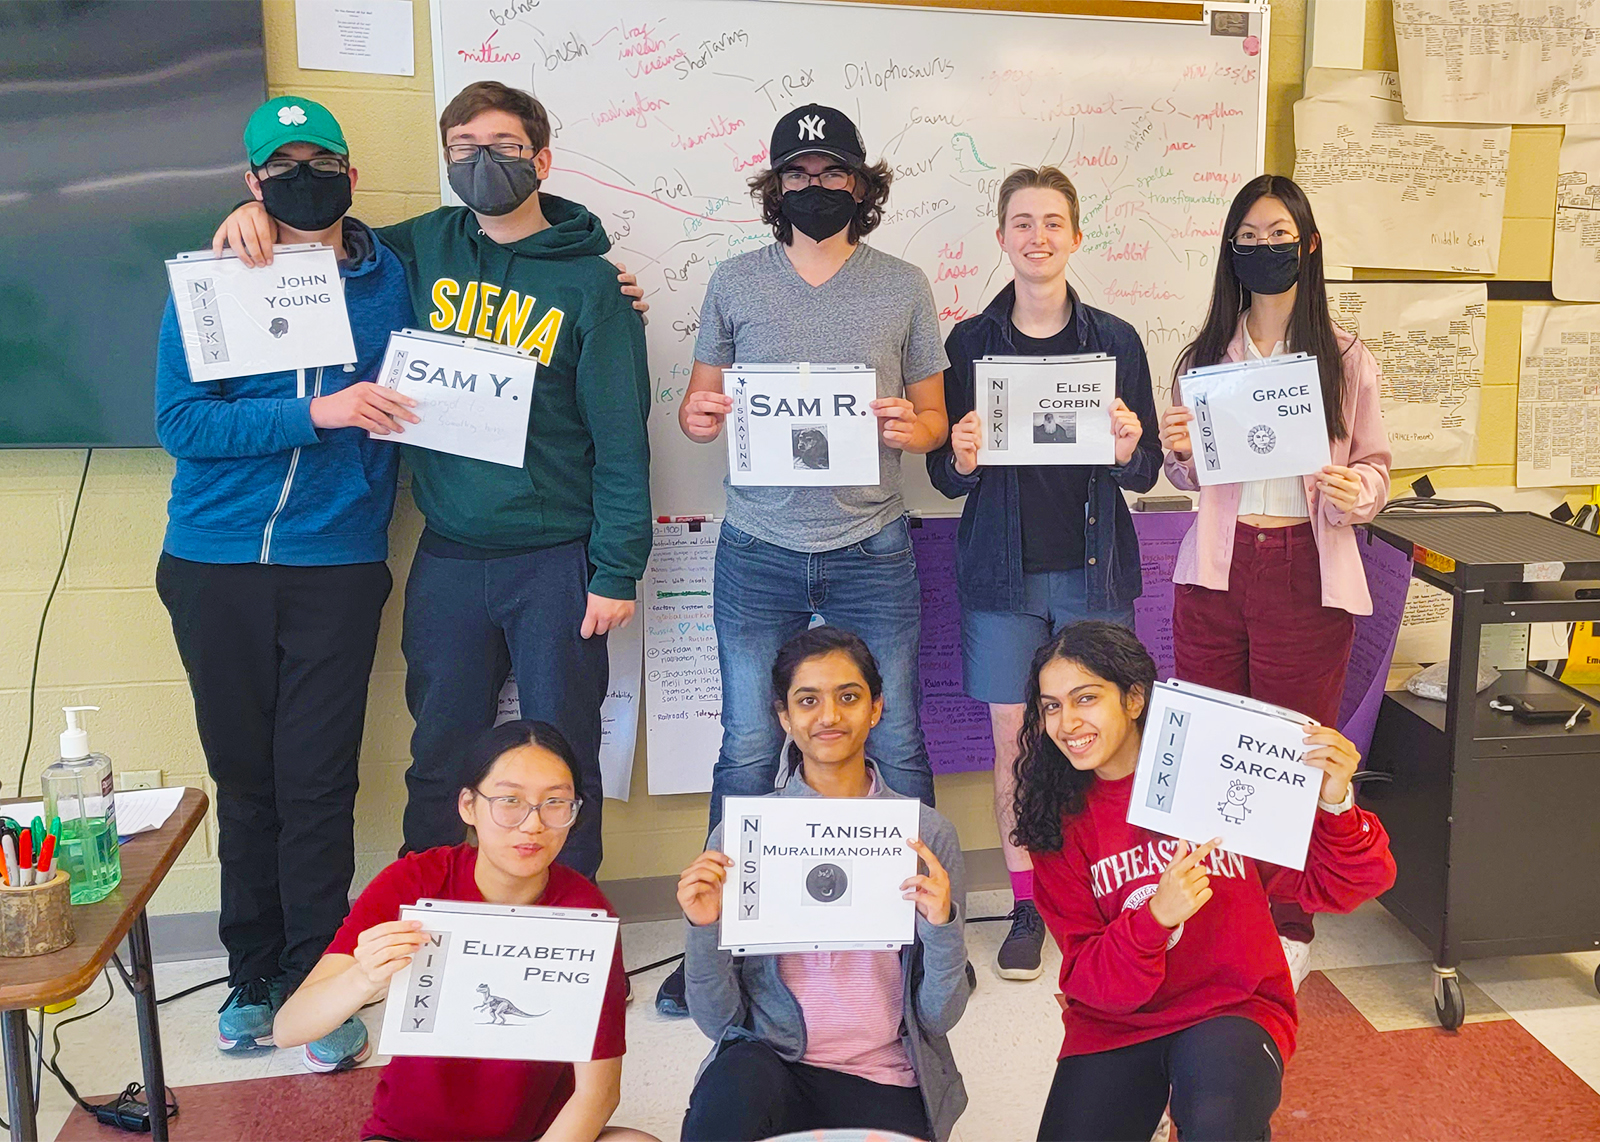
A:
1044, 178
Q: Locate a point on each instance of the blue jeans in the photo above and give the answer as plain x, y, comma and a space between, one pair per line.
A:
765, 595
468, 622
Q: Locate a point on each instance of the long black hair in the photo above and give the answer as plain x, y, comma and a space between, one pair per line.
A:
815, 643
1048, 787
488, 747
1311, 328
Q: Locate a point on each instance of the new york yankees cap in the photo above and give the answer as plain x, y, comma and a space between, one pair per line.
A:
816, 130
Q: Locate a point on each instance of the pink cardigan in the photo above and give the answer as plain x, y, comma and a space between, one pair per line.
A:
1207, 551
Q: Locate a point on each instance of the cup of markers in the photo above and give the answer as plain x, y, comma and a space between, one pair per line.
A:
36, 896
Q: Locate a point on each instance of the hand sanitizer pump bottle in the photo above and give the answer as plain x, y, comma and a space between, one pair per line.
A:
78, 790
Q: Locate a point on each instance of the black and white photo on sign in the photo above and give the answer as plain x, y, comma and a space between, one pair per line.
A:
1046, 410
802, 425
501, 982
473, 398
237, 321
1213, 764
817, 874
1257, 420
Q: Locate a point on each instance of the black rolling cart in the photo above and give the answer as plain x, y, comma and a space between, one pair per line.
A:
1494, 824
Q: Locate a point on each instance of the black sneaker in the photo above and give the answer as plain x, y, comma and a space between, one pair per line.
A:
1020, 955
670, 1000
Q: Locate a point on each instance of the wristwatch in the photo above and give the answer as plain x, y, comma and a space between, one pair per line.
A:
1348, 802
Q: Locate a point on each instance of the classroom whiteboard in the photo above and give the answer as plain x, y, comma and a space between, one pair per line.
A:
661, 111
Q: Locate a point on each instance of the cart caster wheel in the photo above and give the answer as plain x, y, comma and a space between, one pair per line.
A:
1597, 979
1447, 1002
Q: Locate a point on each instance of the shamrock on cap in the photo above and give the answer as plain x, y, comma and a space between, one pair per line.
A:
292, 116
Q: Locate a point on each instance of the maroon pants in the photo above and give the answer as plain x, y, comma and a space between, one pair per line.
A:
1268, 637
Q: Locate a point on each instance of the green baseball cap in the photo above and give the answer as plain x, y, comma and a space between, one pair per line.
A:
291, 119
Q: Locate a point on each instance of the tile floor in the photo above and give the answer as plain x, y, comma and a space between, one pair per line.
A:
1006, 1044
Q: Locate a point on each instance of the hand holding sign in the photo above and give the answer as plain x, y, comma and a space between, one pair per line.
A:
897, 420
1184, 887
364, 405
1339, 484
965, 435
1337, 757
700, 887
1175, 431
704, 413
931, 892
384, 949
1126, 428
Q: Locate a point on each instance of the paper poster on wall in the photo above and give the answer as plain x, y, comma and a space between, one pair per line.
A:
371, 36
237, 321
1558, 396
1428, 338
682, 677
955, 727
473, 397
817, 873
802, 425
1046, 410
1216, 765
1256, 420
619, 713
1160, 536
1575, 266
501, 982
1394, 194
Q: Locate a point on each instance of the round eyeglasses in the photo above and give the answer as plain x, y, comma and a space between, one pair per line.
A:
324, 166
1250, 245
834, 178
511, 812
499, 152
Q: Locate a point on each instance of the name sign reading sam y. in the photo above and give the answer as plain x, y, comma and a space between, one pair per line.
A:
1256, 420
1046, 410
237, 321
501, 982
817, 874
801, 425
472, 396
1217, 765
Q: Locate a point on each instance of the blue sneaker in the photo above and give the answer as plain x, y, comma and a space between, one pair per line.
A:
244, 1022
340, 1049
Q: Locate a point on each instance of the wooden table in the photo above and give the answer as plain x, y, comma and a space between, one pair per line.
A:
39, 981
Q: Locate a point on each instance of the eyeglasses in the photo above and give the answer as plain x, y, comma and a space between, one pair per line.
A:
511, 812
1251, 245
834, 178
324, 166
499, 152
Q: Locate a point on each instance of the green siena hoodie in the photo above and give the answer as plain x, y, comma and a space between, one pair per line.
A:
586, 474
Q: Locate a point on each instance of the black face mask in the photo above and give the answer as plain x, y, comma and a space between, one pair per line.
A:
492, 188
817, 212
1267, 271
305, 201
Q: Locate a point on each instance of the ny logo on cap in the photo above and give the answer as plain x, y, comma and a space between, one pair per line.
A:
811, 127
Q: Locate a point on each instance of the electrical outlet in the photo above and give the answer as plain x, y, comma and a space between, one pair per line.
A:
140, 778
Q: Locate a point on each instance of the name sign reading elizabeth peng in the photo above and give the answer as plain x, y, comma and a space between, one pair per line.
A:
1217, 765
817, 874
802, 425
472, 396
1046, 410
236, 321
1256, 420
501, 982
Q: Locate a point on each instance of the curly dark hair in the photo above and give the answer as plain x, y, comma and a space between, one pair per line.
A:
1048, 788
766, 190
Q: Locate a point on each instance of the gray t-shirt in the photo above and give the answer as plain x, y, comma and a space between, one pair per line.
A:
876, 310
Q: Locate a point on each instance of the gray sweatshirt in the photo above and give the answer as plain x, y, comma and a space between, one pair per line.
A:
734, 998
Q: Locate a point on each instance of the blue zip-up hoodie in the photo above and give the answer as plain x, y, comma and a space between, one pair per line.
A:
989, 537
256, 482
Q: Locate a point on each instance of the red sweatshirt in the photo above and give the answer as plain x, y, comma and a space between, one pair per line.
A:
1127, 979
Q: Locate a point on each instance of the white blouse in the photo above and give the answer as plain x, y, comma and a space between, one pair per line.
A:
1285, 496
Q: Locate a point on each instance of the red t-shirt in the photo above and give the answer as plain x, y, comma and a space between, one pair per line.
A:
425, 1099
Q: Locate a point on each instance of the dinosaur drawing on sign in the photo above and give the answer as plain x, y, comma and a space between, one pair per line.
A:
498, 1008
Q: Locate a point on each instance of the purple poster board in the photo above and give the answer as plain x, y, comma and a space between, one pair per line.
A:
1388, 577
956, 727
1160, 535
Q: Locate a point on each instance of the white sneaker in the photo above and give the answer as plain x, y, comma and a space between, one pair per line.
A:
1298, 953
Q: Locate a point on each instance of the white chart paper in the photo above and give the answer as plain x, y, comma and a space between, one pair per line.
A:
1394, 194
1217, 765
682, 678
1428, 338
472, 397
1575, 270
501, 982
800, 425
1558, 397
237, 321
1046, 410
1256, 420
372, 36
817, 873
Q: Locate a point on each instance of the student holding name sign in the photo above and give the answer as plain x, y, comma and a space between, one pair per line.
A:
829, 1040
1271, 567
1176, 987
1039, 545
517, 794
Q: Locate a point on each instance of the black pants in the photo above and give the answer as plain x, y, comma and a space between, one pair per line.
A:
748, 1093
1224, 1078
278, 660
